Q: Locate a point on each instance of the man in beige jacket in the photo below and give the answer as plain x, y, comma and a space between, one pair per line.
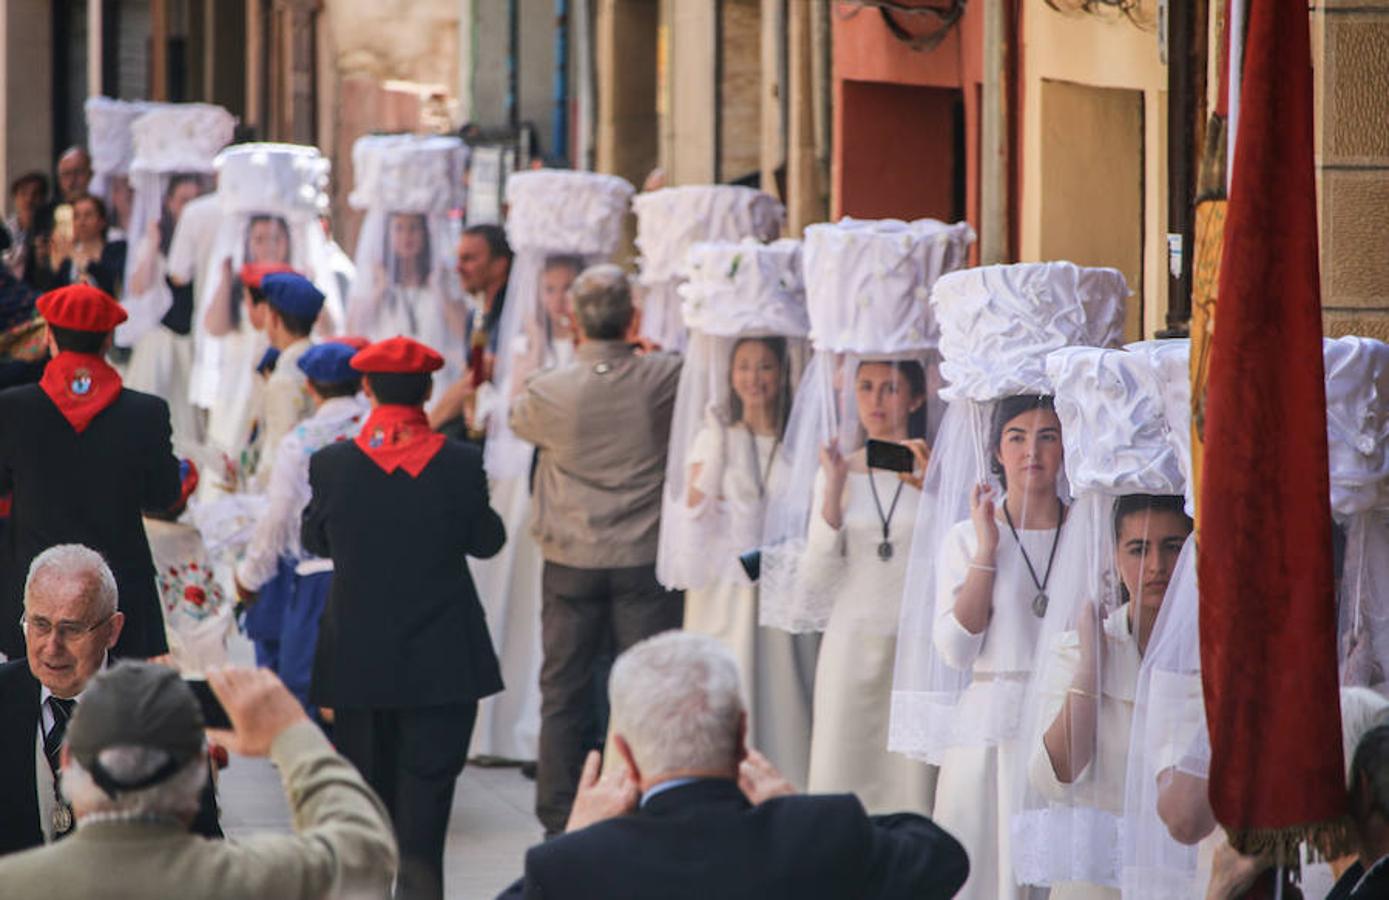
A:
133, 765
601, 426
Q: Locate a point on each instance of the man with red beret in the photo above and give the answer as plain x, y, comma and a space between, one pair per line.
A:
84, 457
403, 654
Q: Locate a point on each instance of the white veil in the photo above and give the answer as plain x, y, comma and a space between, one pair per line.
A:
672, 220
112, 150
170, 141
553, 212
284, 183
867, 287
734, 293
408, 184
1357, 419
1079, 706
997, 325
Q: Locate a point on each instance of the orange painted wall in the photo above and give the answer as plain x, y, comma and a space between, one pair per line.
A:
887, 142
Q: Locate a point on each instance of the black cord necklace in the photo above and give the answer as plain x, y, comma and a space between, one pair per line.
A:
1039, 602
761, 476
885, 548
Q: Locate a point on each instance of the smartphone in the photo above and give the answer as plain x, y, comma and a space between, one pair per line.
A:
62, 220
890, 456
751, 563
214, 715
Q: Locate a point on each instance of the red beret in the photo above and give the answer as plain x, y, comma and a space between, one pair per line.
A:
351, 340
398, 354
252, 273
81, 307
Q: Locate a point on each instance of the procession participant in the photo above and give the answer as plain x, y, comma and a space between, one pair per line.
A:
403, 653
834, 546
744, 310
407, 185
172, 166
672, 220
275, 551
1128, 515
271, 197
602, 428
292, 306
90, 456
558, 220
994, 547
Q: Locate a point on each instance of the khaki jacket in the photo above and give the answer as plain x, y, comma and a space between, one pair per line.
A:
342, 846
602, 426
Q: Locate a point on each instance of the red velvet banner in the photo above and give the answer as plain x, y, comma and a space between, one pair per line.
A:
1268, 633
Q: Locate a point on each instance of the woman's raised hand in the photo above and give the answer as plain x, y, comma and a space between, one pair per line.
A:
981, 512
922, 451
836, 469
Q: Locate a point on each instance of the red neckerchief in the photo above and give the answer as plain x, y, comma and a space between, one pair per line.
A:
399, 437
81, 385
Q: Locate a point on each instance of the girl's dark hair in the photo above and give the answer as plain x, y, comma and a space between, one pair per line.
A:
1129, 504
422, 265
1005, 411
37, 178
401, 388
783, 399
564, 261
167, 221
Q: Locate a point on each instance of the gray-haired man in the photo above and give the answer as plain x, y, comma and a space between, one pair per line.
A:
602, 425
688, 811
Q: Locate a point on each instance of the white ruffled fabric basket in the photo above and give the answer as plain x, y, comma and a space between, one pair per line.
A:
109, 139
289, 179
745, 288
997, 323
408, 173
1357, 422
562, 211
868, 281
185, 137
672, 220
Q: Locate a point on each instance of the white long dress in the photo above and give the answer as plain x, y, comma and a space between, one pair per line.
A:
777, 667
1103, 781
978, 790
858, 651
509, 585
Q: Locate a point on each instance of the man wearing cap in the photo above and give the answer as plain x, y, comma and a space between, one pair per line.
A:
133, 765
274, 551
403, 653
84, 456
71, 621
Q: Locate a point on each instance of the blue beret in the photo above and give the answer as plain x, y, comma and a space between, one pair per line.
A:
329, 363
292, 293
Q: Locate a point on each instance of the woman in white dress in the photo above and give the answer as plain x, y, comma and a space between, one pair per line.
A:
734, 462
1086, 692
861, 522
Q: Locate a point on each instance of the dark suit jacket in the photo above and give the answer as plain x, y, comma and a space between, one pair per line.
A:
705, 840
19, 730
87, 488
403, 626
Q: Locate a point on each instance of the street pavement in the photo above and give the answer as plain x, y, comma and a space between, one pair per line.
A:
493, 818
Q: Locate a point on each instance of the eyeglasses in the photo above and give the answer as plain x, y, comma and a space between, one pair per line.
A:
68, 632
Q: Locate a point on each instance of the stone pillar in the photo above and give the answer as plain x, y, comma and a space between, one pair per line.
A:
1350, 46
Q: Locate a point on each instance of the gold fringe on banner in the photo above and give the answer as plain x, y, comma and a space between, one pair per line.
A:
1282, 846
1205, 285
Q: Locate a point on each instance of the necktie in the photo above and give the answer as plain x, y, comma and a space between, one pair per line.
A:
53, 741
52, 746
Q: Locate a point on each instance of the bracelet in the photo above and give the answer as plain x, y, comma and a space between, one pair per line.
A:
1091, 695
983, 568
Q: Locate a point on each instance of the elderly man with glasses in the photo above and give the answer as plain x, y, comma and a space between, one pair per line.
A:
70, 623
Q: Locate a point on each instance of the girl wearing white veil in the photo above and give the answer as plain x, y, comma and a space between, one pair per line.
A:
994, 547
833, 556
1129, 517
174, 151
271, 196
111, 147
672, 220
744, 310
559, 222
405, 282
